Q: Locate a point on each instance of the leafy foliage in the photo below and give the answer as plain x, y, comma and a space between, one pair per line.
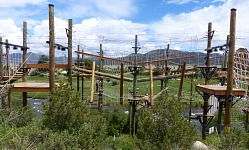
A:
117, 122
164, 126
65, 110
43, 59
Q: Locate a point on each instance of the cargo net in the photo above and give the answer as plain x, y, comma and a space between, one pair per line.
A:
241, 68
241, 74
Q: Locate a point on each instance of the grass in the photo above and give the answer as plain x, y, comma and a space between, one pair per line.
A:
113, 90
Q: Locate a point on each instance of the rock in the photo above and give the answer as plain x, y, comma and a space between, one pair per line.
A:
198, 145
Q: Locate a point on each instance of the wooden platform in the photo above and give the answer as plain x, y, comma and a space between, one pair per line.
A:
30, 87
219, 90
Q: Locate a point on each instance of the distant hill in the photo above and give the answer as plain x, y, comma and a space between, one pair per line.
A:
199, 58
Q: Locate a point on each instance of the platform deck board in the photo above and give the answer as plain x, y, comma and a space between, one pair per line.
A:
30, 87
219, 90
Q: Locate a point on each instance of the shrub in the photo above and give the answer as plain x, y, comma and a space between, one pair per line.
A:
65, 110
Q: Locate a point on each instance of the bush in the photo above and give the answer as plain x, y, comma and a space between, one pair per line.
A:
65, 110
164, 126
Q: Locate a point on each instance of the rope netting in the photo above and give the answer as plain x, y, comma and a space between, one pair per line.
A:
241, 73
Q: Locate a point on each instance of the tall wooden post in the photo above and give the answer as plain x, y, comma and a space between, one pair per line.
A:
51, 48
181, 81
92, 82
101, 60
206, 95
122, 84
78, 64
82, 79
166, 66
1, 60
70, 38
24, 59
151, 86
135, 69
230, 74
1, 69
8, 58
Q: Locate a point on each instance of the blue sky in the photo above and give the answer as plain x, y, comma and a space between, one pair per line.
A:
114, 23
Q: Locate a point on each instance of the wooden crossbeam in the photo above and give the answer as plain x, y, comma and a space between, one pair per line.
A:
161, 60
106, 58
62, 66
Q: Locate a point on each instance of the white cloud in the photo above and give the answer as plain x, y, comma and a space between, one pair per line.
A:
97, 8
185, 31
187, 27
20, 3
180, 2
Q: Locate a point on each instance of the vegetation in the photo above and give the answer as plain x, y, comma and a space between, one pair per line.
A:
69, 123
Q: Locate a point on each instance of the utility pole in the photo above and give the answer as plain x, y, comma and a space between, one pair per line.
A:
206, 95
51, 48
230, 74
70, 38
24, 59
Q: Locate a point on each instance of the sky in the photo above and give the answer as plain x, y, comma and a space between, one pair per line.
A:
182, 24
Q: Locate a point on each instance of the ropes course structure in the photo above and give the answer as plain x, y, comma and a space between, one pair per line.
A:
241, 68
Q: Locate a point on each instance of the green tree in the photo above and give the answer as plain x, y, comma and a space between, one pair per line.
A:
85, 61
65, 110
43, 59
117, 121
164, 125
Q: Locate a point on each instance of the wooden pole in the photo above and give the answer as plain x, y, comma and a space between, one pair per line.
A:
1, 59
78, 64
191, 98
101, 60
208, 46
206, 95
8, 58
70, 38
122, 84
166, 66
181, 81
230, 74
24, 59
135, 71
92, 82
151, 86
51, 48
82, 80
9, 98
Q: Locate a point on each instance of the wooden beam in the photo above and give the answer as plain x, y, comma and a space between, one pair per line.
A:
102, 74
163, 77
62, 66
161, 60
106, 58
